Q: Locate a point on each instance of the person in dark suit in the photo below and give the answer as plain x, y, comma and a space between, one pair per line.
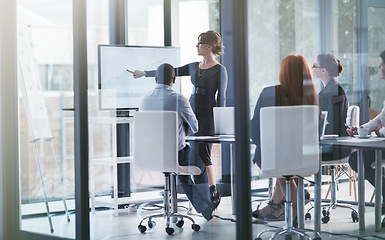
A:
296, 88
332, 98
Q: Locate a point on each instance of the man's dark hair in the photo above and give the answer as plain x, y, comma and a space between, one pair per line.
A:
165, 73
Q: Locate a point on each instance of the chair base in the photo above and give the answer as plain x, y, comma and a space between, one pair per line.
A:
169, 230
326, 208
169, 213
289, 230
288, 233
333, 204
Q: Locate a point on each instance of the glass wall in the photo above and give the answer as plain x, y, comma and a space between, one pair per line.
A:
45, 37
45, 57
278, 28
275, 29
145, 27
351, 30
376, 44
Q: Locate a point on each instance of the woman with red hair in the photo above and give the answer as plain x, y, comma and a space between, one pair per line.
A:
296, 88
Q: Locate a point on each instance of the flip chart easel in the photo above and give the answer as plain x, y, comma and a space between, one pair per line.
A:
36, 111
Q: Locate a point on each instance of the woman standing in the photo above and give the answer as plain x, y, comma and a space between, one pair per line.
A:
209, 79
296, 88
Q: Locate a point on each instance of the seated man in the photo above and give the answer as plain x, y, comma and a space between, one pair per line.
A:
163, 97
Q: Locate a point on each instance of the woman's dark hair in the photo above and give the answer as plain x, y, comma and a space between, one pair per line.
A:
213, 39
331, 64
296, 79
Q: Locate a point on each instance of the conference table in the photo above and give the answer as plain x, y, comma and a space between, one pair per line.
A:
374, 143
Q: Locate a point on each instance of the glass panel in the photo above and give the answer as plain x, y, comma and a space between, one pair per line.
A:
45, 44
376, 44
189, 26
145, 23
345, 43
276, 29
46, 131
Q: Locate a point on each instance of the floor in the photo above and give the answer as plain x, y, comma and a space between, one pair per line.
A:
105, 226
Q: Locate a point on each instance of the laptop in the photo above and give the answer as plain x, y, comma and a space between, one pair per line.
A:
322, 123
224, 121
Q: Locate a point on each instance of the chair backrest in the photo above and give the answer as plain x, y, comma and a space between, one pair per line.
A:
289, 141
156, 140
353, 116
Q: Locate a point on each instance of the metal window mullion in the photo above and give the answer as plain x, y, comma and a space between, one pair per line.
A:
82, 227
167, 23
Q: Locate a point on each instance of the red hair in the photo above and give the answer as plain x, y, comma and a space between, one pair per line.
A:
296, 79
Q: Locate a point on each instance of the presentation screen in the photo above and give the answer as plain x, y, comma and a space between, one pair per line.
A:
118, 89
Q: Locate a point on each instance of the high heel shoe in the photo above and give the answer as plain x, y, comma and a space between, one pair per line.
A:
215, 197
273, 208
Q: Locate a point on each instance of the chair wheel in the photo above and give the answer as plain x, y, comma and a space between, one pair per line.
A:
307, 216
317, 238
325, 219
151, 224
195, 227
324, 212
142, 228
180, 223
258, 238
383, 223
169, 230
354, 216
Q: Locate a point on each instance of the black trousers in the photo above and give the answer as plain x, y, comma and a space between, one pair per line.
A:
369, 158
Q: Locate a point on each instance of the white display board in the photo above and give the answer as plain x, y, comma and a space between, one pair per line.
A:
31, 89
118, 89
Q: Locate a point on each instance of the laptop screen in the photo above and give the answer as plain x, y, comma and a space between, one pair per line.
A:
224, 120
322, 123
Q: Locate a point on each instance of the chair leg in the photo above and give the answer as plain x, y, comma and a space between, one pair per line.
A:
371, 199
169, 212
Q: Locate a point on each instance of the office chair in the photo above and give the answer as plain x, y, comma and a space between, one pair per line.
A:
352, 119
156, 149
289, 148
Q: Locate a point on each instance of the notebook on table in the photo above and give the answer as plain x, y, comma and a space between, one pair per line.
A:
224, 121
